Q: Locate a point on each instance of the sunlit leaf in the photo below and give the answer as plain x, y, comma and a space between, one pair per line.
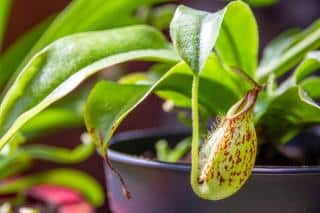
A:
195, 33
61, 67
311, 86
105, 109
295, 49
177, 87
302, 111
310, 64
12, 57
95, 15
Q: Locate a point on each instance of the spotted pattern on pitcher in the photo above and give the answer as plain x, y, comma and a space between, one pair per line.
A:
227, 157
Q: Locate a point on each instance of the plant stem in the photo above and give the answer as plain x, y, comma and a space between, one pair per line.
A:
245, 76
195, 133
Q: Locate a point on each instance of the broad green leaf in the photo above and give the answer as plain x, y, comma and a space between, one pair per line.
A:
84, 16
195, 33
302, 111
215, 70
302, 43
210, 91
238, 40
105, 109
177, 86
95, 15
310, 64
66, 113
77, 180
14, 55
62, 66
4, 11
225, 81
311, 86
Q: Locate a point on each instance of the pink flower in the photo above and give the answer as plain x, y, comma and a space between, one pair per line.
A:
67, 200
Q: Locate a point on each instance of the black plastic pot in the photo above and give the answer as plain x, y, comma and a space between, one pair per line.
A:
159, 187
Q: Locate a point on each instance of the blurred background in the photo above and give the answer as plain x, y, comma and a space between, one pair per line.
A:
26, 14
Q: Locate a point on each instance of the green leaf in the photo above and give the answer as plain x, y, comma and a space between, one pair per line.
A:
181, 82
95, 15
52, 119
161, 16
302, 111
165, 153
301, 43
216, 71
296, 92
177, 86
62, 66
261, 3
181, 149
77, 180
14, 55
105, 109
278, 46
162, 150
12, 163
4, 11
235, 45
310, 64
135, 78
66, 113
195, 33
311, 86
60, 155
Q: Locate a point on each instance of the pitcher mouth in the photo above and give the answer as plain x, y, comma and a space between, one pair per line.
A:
136, 135
244, 105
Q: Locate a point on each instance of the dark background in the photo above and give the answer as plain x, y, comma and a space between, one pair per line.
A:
272, 20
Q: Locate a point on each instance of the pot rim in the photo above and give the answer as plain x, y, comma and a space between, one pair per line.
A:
186, 167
